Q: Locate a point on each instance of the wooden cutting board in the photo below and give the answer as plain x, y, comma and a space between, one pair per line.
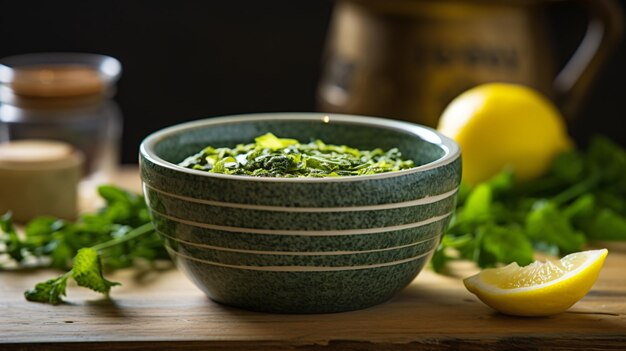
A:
163, 310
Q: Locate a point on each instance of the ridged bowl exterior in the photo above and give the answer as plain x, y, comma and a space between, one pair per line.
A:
301, 245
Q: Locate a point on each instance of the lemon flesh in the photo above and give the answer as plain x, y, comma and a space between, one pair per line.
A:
499, 125
541, 288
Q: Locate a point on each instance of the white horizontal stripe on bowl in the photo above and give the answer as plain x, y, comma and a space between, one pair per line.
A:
304, 232
423, 201
295, 253
298, 268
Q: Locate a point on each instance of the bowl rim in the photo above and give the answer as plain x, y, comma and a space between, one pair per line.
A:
450, 147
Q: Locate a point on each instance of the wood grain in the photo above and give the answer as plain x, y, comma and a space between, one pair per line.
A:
163, 310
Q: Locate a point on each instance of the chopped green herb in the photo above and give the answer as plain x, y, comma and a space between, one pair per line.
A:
117, 236
87, 272
270, 156
51, 291
582, 198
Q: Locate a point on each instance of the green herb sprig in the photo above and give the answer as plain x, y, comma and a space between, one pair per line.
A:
117, 236
270, 156
582, 198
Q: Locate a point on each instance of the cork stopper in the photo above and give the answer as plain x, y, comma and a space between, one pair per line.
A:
57, 81
52, 80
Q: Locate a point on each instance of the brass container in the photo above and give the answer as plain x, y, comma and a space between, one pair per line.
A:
408, 59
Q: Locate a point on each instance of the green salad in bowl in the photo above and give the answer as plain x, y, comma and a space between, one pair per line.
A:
270, 156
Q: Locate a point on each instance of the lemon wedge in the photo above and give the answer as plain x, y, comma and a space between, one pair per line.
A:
541, 288
500, 125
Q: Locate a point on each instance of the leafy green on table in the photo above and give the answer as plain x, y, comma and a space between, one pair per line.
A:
86, 271
117, 236
270, 156
581, 198
10, 238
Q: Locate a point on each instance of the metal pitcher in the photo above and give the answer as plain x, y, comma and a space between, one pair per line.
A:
408, 59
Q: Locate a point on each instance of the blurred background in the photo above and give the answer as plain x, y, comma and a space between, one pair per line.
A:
185, 60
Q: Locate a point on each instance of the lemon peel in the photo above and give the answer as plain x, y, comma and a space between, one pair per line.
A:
541, 288
499, 125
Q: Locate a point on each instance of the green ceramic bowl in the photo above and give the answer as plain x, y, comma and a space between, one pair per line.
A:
301, 245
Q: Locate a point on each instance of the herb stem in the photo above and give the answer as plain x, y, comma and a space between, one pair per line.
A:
137, 232
575, 191
65, 275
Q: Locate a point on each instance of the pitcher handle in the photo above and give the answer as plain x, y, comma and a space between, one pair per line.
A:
604, 32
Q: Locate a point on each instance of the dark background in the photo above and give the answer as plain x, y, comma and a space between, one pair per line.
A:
185, 60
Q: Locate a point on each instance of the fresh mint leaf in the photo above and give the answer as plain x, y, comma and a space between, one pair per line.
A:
61, 255
39, 231
546, 223
608, 159
477, 207
569, 167
581, 198
505, 245
612, 199
121, 233
112, 194
607, 225
87, 267
50, 291
582, 209
502, 182
439, 259
9, 237
122, 207
87, 271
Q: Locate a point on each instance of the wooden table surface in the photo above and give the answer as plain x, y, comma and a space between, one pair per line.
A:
163, 310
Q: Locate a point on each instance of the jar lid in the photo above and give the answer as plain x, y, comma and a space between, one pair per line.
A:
38, 154
39, 178
54, 75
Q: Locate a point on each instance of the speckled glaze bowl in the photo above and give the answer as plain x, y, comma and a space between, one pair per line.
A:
301, 245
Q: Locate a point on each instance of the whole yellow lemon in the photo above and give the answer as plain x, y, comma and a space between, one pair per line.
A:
500, 125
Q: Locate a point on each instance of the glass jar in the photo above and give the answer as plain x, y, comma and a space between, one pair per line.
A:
66, 97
